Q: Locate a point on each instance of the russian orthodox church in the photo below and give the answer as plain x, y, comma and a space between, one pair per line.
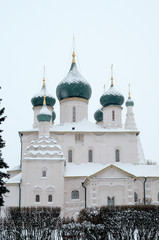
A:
77, 163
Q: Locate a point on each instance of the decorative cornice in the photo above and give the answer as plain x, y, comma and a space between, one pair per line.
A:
74, 99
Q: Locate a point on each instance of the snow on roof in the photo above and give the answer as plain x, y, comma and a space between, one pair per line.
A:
88, 169
44, 147
85, 126
42, 93
38, 152
74, 76
15, 179
82, 126
140, 170
45, 110
16, 168
83, 169
112, 91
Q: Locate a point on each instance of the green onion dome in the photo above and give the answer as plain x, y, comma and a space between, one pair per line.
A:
129, 102
37, 100
98, 115
53, 116
112, 97
73, 85
44, 114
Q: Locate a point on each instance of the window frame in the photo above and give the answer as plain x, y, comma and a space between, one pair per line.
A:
70, 155
90, 155
37, 198
43, 175
117, 155
136, 197
111, 201
113, 115
74, 114
75, 195
50, 198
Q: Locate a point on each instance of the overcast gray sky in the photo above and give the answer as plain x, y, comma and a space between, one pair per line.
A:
35, 33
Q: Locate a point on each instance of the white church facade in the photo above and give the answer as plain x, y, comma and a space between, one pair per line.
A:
76, 163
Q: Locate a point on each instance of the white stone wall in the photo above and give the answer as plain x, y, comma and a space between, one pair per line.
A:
108, 121
33, 183
103, 146
73, 206
66, 109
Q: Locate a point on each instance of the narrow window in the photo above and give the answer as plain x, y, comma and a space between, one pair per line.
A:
74, 114
37, 198
69, 155
50, 198
79, 137
135, 197
111, 201
158, 196
44, 174
117, 155
113, 115
90, 156
75, 194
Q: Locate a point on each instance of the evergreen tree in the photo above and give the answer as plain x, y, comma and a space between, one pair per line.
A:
3, 165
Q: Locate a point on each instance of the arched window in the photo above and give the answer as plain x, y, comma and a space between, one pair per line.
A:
135, 197
113, 115
69, 155
117, 155
75, 194
37, 198
158, 196
44, 173
111, 201
74, 114
90, 155
50, 198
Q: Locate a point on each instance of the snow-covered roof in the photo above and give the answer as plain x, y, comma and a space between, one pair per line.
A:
87, 126
42, 93
44, 147
16, 168
45, 110
15, 179
74, 76
88, 169
83, 126
112, 91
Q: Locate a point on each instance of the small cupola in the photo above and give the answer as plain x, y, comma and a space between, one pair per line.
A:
37, 100
112, 101
98, 115
130, 122
44, 115
112, 96
129, 102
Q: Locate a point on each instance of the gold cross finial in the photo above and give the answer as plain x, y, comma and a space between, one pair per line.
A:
44, 77
73, 55
129, 91
44, 102
112, 84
